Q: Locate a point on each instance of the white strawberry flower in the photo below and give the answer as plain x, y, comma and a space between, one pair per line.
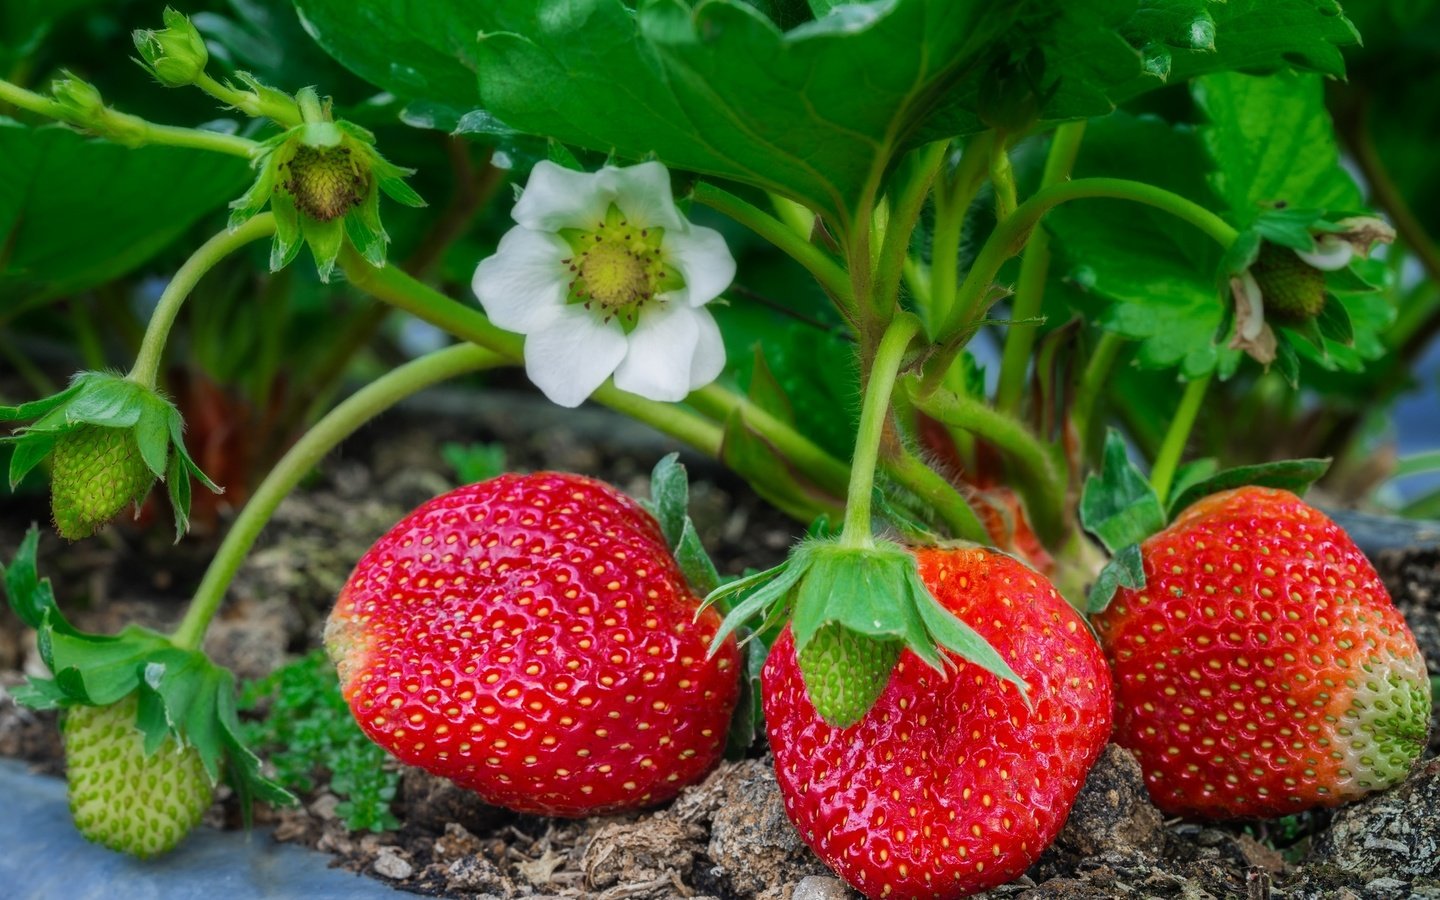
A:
604, 276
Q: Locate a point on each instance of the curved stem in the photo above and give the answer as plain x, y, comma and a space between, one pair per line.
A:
1009, 236
927, 484
826, 271
336, 426
1162, 475
901, 223
251, 103
1092, 383
874, 412
1040, 483
152, 348
719, 403
124, 128
1034, 269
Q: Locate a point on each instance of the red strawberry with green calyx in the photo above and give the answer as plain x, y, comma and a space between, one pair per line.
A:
952, 783
533, 639
1262, 668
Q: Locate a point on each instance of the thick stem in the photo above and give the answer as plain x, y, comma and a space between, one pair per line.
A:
1010, 235
1034, 269
826, 271
1167, 460
953, 509
339, 424
127, 129
1002, 177
874, 412
952, 201
152, 348
1039, 483
900, 225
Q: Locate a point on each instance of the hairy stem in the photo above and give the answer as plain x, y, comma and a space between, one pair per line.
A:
908, 205
952, 201
255, 105
1092, 384
874, 412
336, 426
152, 348
949, 504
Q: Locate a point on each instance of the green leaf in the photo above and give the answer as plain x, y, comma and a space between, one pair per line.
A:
695, 563
670, 497
1272, 144
1118, 505
1295, 475
77, 212
30, 596
1125, 569
721, 91
1193, 472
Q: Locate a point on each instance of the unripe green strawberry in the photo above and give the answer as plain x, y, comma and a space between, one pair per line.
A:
326, 182
844, 672
121, 798
95, 472
1293, 290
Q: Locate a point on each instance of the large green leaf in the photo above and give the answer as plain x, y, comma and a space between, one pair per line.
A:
76, 212
815, 114
1271, 142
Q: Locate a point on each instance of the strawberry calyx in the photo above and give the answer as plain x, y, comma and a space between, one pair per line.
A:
863, 606
1119, 506
181, 698
96, 472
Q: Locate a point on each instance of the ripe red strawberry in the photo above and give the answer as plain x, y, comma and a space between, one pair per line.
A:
531, 638
1262, 670
949, 785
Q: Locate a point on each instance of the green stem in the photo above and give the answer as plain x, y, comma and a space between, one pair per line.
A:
1034, 270
954, 510
127, 129
1041, 485
952, 201
908, 204
1092, 384
1162, 474
285, 113
402, 291
1002, 176
1010, 235
152, 348
874, 412
826, 271
719, 403
336, 426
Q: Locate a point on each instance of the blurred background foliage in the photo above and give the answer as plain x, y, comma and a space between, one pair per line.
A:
89, 232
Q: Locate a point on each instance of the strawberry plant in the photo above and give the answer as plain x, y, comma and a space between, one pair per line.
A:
1020, 312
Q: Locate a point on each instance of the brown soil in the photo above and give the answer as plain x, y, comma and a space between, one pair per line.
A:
727, 837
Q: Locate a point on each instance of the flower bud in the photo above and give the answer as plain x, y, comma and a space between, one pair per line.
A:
176, 54
81, 100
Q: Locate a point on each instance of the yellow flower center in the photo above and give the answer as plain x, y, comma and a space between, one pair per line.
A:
614, 276
618, 268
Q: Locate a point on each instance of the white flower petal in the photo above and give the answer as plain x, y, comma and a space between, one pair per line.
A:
1331, 253
704, 261
523, 286
574, 356
556, 197
643, 194
709, 360
661, 354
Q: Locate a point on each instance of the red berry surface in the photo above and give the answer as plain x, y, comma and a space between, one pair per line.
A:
949, 785
532, 638
1263, 669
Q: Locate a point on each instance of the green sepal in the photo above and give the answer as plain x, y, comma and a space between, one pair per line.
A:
670, 504
1118, 505
1125, 569
27, 452
37, 408
749, 714
178, 487
874, 592
325, 239
1289, 227
1193, 472
181, 693
362, 226
1287, 361
1294, 475
287, 241
1334, 322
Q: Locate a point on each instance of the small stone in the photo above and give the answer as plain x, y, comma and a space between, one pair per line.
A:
821, 887
477, 874
324, 806
1385, 887
1113, 810
392, 865
456, 842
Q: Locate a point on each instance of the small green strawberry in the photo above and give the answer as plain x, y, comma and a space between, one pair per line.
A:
96, 471
844, 672
325, 182
122, 798
1294, 290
